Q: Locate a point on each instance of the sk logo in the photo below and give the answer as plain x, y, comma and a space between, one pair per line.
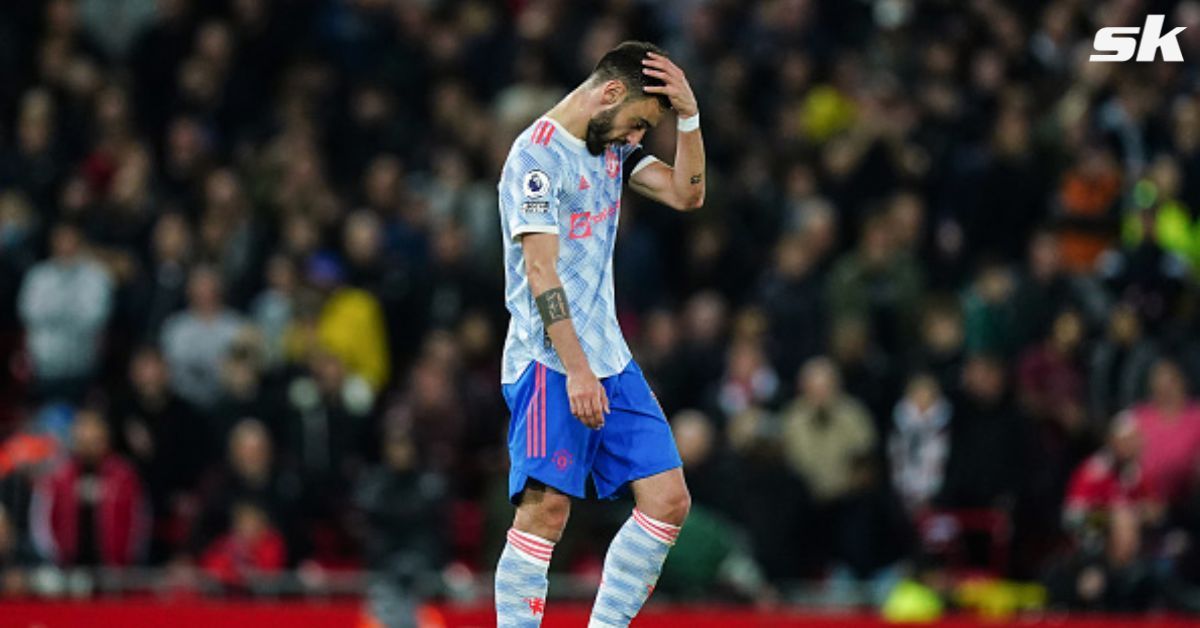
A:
1119, 43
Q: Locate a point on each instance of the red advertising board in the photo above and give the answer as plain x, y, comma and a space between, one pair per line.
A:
156, 614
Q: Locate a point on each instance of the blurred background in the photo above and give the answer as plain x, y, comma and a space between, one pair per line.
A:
931, 343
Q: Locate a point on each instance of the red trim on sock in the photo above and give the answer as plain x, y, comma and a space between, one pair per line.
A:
531, 548
529, 552
655, 529
659, 525
532, 539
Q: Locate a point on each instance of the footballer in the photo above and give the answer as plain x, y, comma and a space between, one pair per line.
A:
580, 405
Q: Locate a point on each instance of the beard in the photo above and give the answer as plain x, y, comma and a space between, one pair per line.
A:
599, 129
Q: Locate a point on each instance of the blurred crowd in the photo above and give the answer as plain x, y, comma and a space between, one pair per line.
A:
938, 315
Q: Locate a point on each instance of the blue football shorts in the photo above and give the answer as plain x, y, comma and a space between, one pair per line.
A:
547, 443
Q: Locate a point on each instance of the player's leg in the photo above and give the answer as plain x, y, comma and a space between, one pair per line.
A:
521, 581
663, 497
637, 449
550, 453
638, 551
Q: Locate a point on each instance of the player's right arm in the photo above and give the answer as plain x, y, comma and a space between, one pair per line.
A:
587, 397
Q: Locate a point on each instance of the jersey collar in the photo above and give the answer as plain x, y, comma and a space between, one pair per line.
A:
571, 140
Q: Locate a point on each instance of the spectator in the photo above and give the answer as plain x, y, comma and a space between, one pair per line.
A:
406, 508
405, 513
370, 265
1167, 221
828, 437
1005, 193
196, 341
1169, 424
34, 163
780, 520
230, 238
877, 284
989, 315
432, 409
275, 306
1050, 391
919, 444
157, 432
748, 381
327, 426
91, 511
251, 549
1119, 364
830, 441
65, 303
159, 290
251, 474
1109, 506
702, 352
713, 480
351, 324
661, 358
1050, 379
246, 392
942, 351
866, 368
1110, 480
454, 282
987, 441
1045, 289
1146, 275
1086, 204
791, 297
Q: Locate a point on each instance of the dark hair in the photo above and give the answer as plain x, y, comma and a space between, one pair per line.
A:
624, 63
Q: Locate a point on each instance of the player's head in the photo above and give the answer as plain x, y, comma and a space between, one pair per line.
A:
629, 111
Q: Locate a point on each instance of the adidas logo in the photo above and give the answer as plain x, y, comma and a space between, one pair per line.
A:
583, 184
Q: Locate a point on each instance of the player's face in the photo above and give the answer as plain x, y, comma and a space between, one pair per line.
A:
625, 123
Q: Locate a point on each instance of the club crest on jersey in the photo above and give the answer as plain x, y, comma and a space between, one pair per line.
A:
612, 164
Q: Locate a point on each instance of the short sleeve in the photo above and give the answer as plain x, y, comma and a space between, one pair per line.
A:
529, 193
636, 159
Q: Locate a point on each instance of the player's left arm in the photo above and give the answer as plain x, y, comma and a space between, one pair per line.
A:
680, 186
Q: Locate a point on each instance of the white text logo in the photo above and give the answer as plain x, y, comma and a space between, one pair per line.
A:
1120, 42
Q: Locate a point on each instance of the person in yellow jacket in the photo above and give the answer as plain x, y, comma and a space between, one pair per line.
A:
349, 323
1156, 208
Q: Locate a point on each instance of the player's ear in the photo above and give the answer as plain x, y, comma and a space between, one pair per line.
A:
613, 92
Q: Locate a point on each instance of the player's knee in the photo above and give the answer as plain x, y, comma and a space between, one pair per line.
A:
671, 506
552, 515
680, 505
546, 517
